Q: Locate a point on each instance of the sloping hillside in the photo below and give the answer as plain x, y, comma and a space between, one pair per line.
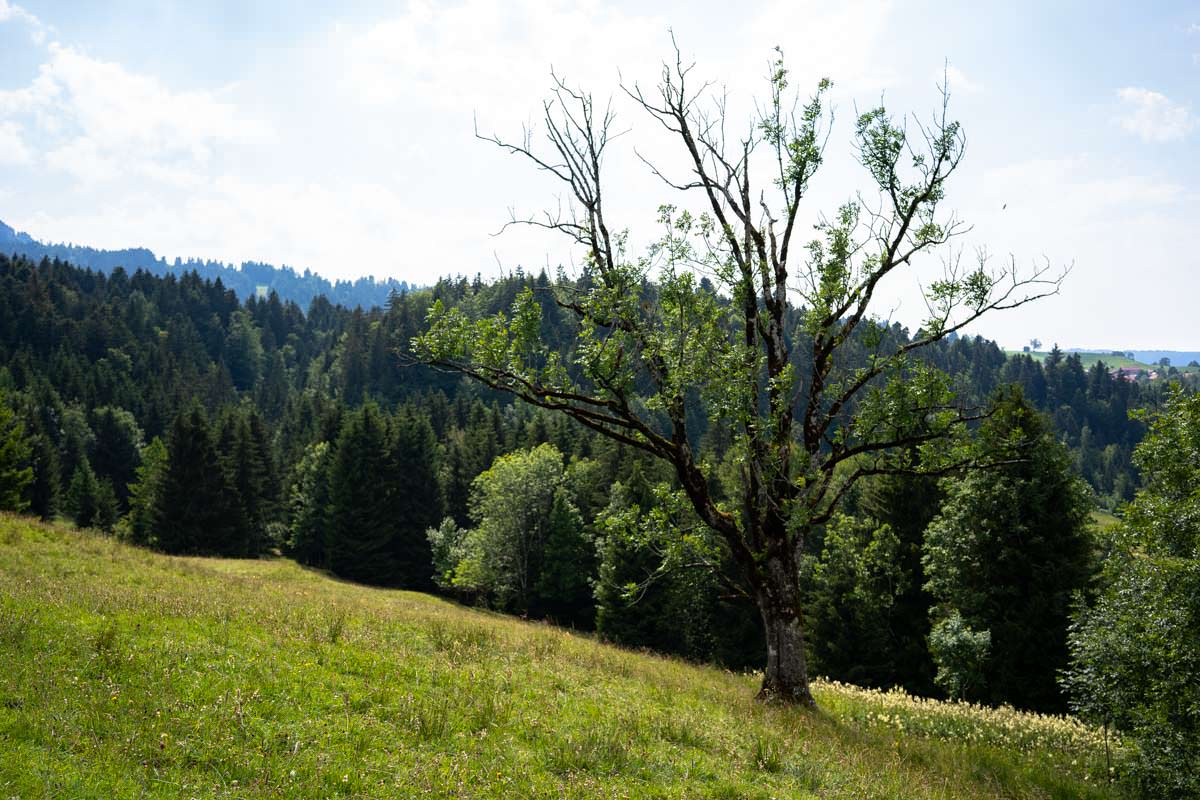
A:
130, 674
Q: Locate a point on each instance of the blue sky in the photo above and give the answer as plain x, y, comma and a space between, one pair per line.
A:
341, 139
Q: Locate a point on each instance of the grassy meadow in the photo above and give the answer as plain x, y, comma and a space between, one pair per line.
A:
125, 673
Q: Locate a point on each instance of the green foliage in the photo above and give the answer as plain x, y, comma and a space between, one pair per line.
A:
144, 493
854, 581
906, 504
446, 543
115, 452
663, 580
308, 505
961, 656
243, 350
75, 441
91, 502
46, 488
383, 496
249, 465
419, 503
362, 483
563, 588
1009, 549
1135, 653
197, 509
527, 552
15, 471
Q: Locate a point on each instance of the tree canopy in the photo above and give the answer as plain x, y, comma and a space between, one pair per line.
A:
1135, 653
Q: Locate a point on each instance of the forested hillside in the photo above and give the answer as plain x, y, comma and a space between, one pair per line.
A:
248, 280
166, 410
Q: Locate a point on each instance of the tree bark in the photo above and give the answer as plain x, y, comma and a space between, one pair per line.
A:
786, 676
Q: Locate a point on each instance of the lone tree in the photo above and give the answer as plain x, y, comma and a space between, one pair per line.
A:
763, 348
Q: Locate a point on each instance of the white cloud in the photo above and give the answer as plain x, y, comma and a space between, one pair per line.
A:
82, 159
389, 104
12, 12
98, 120
823, 40
958, 81
490, 55
13, 150
1153, 116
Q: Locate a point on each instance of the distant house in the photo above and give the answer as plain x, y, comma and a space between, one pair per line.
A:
1131, 373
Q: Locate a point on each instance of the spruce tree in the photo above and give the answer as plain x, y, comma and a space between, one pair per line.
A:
1008, 551
563, 591
91, 501
263, 455
308, 506
247, 476
418, 498
907, 504
197, 510
45, 492
75, 441
116, 448
363, 487
144, 493
15, 454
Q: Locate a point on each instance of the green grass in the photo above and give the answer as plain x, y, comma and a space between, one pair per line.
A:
124, 673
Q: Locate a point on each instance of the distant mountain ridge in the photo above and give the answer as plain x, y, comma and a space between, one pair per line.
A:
1178, 358
249, 279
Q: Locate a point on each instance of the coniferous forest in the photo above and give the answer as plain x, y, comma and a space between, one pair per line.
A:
164, 411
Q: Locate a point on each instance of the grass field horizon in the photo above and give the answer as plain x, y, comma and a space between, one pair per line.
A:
1111, 359
127, 673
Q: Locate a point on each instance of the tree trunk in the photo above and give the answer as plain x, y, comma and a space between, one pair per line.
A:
786, 676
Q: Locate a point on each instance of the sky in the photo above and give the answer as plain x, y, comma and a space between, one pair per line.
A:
342, 139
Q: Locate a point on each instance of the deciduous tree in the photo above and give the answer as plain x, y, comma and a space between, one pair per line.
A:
1135, 654
654, 344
